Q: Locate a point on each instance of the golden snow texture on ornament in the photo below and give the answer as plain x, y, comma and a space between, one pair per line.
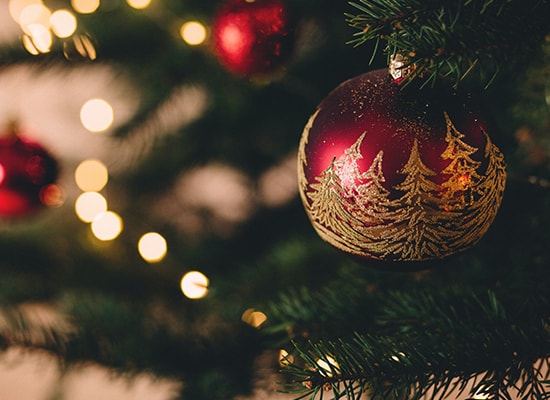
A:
392, 178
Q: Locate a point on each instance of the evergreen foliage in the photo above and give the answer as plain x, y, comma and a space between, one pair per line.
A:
478, 322
452, 38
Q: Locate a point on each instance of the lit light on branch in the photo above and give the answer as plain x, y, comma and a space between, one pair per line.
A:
90, 204
193, 33
107, 226
96, 115
63, 23
194, 285
152, 247
91, 175
85, 6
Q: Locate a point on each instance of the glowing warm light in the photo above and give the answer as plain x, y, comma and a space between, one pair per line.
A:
85, 6
96, 115
254, 318
40, 37
398, 356
193, 33
63, 23
138, 4
16, 7
34, 14
107, 225
89, 205
52, 196
481, 394
194, 285
152, 247
91, 175
79, 46
2, 174
328, 365
285, 358
29, 46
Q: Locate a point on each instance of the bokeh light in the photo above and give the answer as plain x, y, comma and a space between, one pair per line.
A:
90, 204
328, 366
81, 46
16, 7
85, 6
29, 45
193, 33
254, 318
152, 247
39, 38
107, 226
2, 174
91, 175
52, 195
138, 4
63, 23
285, 358
194, 285
34, 14
96, 115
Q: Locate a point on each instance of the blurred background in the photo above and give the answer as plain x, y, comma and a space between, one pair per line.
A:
147, 267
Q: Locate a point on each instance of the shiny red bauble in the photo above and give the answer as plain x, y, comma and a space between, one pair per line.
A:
399, 174
253, 37
27, 176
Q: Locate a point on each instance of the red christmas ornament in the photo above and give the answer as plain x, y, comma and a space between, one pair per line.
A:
253, 37
27, 176
397, 174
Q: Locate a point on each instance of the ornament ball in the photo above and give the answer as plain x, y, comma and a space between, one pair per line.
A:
27, 173
253, 37
399, 175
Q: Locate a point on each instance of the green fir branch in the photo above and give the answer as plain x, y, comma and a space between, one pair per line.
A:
429, 345
453, 38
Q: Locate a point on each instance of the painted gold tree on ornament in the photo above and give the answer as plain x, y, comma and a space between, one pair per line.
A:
354, 211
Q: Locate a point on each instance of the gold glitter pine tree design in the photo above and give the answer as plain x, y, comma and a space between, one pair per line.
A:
421, 226
353, 210
330, 214
458, 189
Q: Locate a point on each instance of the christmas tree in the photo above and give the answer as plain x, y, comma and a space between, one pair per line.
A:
172, 257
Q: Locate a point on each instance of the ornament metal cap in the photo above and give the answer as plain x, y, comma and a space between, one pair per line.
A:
399, 68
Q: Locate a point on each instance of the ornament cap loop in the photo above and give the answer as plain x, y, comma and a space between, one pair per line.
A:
400, 68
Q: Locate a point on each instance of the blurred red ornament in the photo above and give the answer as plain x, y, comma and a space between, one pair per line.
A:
253, 37
27, 177
397, 174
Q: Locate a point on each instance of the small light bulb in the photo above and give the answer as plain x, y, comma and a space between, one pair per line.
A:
138, 4
152, 247
254, 318
34, 14
328, 366
85, 6
107, 226
96, 115
88, 205
41, 37
63, 23
194, 285
193, 33
91, 175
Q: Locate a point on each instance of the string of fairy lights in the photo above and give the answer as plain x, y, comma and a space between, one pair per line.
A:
41, 27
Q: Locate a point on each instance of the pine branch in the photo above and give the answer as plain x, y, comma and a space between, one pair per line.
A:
425, 344
453, 38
